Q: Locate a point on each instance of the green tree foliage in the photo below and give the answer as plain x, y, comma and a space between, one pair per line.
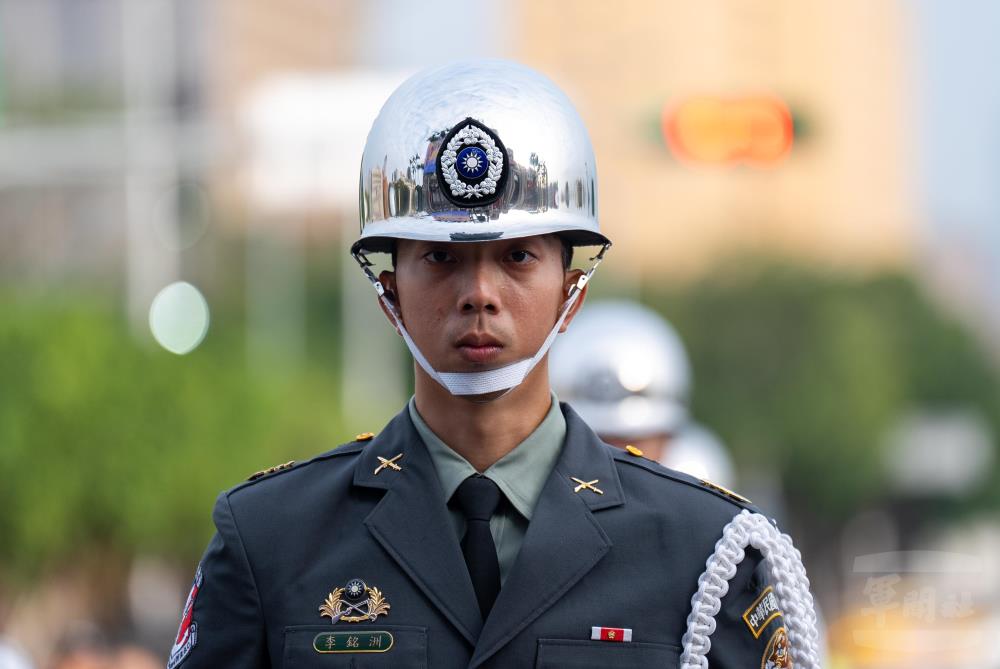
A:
804, 373
109, 440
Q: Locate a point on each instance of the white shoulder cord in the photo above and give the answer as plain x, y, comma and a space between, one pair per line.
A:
791, 585
493, 380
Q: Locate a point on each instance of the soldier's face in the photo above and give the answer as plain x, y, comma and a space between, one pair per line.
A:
472, 306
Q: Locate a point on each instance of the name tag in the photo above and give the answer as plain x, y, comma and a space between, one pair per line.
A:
352, 642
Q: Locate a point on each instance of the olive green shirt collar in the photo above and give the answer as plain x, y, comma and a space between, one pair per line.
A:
520, 474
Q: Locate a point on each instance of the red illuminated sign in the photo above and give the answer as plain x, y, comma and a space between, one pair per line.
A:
753, 130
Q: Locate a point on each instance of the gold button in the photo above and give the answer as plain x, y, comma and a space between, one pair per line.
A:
632, 450
365, 436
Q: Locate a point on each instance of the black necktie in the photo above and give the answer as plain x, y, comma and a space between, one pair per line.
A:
478, 498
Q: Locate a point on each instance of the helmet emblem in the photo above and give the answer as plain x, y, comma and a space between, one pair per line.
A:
472, 164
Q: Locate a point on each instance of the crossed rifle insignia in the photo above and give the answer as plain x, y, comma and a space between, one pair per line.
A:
587, 485
388, 463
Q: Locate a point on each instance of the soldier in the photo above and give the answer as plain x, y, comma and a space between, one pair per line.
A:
625, 371
486, 525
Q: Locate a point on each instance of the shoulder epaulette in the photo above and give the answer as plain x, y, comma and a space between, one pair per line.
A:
725, 491
634, 456
271, 470
344, 449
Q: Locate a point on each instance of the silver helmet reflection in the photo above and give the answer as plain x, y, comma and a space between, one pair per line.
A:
624, 370
475, 151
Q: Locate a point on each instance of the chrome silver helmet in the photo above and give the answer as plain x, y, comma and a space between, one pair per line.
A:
624, 370
475, 151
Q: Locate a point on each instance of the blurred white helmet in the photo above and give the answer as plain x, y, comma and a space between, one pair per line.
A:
12, 658
697, 451
623, 369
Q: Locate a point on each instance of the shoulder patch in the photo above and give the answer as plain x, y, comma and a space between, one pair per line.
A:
763, 610
776, 653
187, 635
271, 470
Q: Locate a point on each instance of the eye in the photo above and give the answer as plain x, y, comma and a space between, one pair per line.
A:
520, 256
438, 256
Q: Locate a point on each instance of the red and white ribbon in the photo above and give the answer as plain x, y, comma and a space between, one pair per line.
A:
619, 634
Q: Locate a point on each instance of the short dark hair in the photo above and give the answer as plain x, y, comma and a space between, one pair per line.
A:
567, 253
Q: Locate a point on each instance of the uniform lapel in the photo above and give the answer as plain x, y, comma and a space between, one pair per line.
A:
411, 522
563, 541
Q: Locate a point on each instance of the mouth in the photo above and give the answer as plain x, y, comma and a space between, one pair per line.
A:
479, 348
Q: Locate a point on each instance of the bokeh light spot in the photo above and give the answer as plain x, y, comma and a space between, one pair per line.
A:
178, 318
634, 373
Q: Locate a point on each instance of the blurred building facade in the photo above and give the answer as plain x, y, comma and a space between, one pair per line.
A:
843, 195
124, 135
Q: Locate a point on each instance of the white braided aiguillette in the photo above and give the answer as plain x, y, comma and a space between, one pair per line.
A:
791, 587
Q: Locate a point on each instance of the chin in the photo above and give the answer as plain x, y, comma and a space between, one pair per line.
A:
488, 397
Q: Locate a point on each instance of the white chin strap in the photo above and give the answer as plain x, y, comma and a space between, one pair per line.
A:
492, 380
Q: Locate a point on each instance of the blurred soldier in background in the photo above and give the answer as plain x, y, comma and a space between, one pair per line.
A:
625, 371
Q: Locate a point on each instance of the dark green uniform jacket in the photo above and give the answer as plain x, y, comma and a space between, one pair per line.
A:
625, 559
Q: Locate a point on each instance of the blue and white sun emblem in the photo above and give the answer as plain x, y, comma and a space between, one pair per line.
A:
472, 162
355, 589
472, 165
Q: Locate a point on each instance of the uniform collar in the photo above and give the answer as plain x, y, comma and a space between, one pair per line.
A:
521, 474
564, 539
562, 544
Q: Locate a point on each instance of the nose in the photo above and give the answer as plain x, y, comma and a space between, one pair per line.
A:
480, 289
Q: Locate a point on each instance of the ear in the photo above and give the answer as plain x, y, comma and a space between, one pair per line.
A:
388, 281
572, 276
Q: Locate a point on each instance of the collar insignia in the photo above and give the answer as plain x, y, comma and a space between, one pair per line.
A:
587, 485
388, 463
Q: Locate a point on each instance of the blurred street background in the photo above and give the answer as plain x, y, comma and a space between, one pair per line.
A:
808, 190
